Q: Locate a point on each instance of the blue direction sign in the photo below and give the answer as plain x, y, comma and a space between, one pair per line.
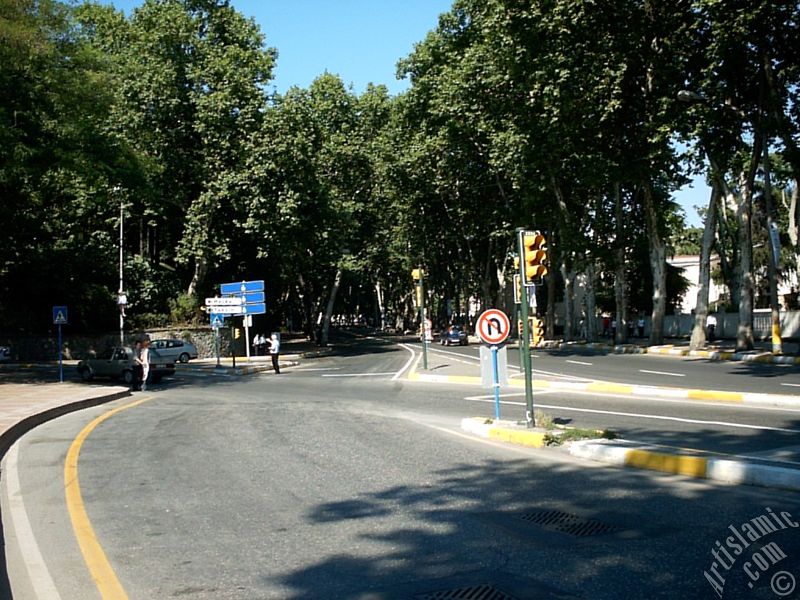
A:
217, 320
254, 309
253, 297
60, 315
241, 287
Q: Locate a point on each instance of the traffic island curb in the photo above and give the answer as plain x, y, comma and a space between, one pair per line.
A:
697, 465
505, 431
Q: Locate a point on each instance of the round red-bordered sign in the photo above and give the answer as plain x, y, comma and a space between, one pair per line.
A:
493, 326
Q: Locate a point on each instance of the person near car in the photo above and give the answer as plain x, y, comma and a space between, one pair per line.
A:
144, 360
274, 351
136, 384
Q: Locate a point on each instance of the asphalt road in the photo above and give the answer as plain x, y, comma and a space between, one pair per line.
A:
643, 369
336, 480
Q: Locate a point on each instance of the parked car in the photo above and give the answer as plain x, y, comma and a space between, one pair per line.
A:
455, 334
177, 350
120, 364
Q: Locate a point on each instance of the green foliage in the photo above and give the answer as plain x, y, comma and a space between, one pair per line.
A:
519, 114
184, 309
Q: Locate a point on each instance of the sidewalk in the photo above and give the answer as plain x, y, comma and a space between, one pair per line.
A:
23, 406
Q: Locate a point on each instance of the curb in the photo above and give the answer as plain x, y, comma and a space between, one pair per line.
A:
697, 466
28, 422
504, 431
607, 387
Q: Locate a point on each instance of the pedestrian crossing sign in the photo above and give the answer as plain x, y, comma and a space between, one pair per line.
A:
60, 315
217, 320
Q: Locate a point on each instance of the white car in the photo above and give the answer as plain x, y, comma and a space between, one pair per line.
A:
177, 350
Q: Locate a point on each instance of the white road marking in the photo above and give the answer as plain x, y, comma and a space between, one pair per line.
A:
578, 362
792, 384
408, 363
662, 373
41, 581
314, 369
359, 374
646, 416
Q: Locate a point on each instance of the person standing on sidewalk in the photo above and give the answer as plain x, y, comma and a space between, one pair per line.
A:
274, 351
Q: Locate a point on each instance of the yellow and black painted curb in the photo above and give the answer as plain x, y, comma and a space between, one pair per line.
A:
504, 431
688, 463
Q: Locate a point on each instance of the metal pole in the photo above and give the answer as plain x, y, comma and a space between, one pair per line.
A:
495, 383
772, 227
60, 359
422, 316
216, 344
121, 288
525, 347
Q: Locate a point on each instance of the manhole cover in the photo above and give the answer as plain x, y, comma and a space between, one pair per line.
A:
483, 591
567, 523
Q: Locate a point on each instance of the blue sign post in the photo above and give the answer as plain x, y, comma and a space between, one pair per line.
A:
60, 317
253, 303
495, 383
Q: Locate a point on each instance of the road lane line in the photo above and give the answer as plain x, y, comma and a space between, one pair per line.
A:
408, 363
640, 415
579, 362
38, 574
358, 374
313, 369
662, 373
792, 384
100, 568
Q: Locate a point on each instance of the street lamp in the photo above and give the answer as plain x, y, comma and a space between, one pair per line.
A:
122, 299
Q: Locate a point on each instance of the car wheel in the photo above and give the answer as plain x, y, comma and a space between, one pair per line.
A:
184, 358
127, 377
86, 374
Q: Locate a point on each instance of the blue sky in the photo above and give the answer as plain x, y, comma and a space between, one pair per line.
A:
361, 41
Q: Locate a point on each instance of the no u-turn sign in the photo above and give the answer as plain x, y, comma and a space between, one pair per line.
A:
493, 326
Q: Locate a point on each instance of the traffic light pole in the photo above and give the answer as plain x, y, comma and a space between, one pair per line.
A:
525, 347
422, 319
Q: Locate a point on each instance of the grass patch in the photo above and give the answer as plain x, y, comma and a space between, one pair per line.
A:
561, 435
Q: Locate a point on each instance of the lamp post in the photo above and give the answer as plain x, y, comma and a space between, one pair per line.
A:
122, 299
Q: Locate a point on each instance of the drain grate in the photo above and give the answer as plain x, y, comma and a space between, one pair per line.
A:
483, 591
567, 523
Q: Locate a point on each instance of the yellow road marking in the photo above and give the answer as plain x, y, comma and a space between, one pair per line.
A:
100, 569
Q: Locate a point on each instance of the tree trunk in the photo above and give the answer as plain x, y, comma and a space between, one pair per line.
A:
698, 339
326, 323
658, 266
620, 280
550, 316
568, 274
590, 318
744, 331
380, 318
199, 276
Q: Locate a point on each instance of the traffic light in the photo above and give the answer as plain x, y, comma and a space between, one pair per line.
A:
537, 330
237, 333
416, 274
534, 256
